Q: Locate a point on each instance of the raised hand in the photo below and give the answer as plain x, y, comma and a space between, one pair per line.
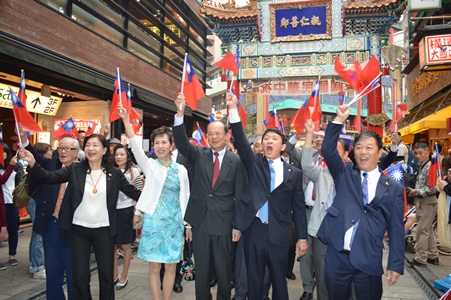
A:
309, 127
121, 111
27, 156
231, 100
180, 104
342, 113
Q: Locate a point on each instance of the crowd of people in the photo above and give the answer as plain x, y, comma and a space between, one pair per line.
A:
248, 209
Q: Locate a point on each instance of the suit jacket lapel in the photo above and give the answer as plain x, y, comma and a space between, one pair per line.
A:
357, 179
208, 164
265, 176
109, 175
381, 188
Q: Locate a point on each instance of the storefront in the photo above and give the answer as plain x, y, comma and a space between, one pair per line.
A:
73, 48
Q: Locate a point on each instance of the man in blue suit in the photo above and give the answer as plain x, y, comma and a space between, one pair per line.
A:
263, 214
367, 203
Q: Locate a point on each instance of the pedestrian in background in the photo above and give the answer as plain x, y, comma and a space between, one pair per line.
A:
36, 245
11, 173
125, 212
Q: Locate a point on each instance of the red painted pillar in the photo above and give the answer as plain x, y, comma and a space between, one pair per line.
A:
375, 107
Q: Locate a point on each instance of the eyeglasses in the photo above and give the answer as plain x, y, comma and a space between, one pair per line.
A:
66, 149
212, 134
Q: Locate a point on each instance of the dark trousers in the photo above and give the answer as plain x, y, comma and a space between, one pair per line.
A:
12, 224
57, 262
81, 241
216, 250
259, 253
340, 276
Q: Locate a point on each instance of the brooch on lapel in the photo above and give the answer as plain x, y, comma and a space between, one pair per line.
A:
109, 176
386, 183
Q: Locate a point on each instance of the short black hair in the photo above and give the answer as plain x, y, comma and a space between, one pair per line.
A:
345, 145
277, 131
369, 134
81, 131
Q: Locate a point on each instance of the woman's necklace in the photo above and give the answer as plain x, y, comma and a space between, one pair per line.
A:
94, 191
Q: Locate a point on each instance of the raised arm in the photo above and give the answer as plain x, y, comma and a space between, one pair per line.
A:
329, 146
245, 152
311, 171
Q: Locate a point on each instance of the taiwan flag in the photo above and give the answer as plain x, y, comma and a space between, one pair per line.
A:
22, 116
434, 170
229, 62
311, 109
133, 116
191, 89
199, 137
272, 119
241, 110
2, 160
119, 96
68, 129
396, 172
349, 75
90, 129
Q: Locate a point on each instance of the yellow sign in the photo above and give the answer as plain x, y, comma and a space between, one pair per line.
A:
35, 101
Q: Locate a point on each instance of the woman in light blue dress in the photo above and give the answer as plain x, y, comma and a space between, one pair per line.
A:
163, 202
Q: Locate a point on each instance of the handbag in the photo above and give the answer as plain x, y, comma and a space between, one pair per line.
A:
21, 194
188, 268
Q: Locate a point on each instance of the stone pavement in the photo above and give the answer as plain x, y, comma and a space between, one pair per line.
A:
17, 283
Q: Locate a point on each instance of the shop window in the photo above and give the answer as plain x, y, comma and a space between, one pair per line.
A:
58, 5
144, 35
91, 22
106, 9
143, 53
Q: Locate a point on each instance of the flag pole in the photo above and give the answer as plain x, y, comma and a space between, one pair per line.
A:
438, 162
183, 77
362, 92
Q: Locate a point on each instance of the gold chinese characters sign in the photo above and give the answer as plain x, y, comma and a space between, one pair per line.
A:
301, 21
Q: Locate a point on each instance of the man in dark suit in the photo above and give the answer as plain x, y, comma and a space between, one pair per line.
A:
218, 185
263, 214
367, 203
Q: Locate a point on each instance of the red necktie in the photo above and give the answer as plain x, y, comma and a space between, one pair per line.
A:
215, 169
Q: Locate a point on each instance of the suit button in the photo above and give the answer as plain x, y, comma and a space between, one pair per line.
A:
353, 222
42, 214
44, 202
364, 211
210, 195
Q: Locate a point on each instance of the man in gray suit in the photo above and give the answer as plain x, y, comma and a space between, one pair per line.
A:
218, 184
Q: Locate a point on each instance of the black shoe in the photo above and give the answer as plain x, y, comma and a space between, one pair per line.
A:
433, 261
178, 288
416, 263
291, 276
213, 282
232, 284
306, 296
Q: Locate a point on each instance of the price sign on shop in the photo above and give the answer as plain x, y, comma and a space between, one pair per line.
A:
35, 101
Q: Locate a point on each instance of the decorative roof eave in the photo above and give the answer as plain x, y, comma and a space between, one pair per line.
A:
374, 4
229, 11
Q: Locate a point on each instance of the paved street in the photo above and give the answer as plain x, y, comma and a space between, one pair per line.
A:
17, 283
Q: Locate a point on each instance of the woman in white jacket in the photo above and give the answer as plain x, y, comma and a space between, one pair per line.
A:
163, 202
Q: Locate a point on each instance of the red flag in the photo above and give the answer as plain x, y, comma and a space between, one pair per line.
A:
199, 137
435, 168
272, 120
241, 110
349, 75
22, 116
311, 109
192, 89
30, 140
68, 129
119, 96
400, 111
134, 118
228, 62
367, 71
2, 160
22, 95
90, 128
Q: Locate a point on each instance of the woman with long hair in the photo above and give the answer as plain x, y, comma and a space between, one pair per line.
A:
164, 201
9, 214
125, 212
88, 211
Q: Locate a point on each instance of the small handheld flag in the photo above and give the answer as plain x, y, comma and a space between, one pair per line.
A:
22, 116
68, 129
